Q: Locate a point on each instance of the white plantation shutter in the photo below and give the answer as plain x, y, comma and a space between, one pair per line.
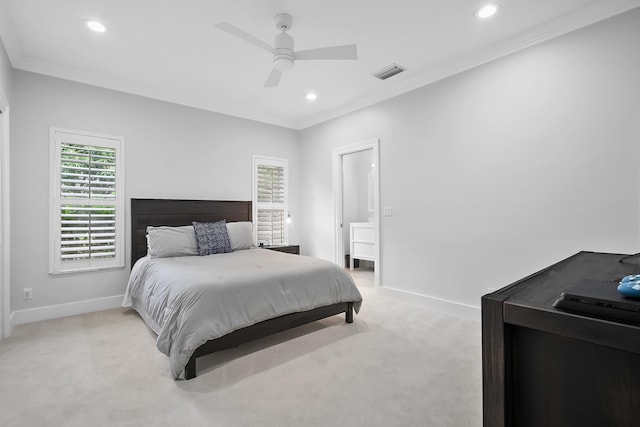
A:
87, 232
87, 201
88, 172
270, 200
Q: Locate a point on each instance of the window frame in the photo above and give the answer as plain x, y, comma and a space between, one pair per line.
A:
270, 161
56, 138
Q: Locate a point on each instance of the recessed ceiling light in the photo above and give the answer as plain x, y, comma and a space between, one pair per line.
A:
487, 11
311, 96
96, 26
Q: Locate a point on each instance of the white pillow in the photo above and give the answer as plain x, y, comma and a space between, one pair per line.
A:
240, 235
167, 241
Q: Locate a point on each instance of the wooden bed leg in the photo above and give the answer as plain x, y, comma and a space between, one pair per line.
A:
190, 369
349, 312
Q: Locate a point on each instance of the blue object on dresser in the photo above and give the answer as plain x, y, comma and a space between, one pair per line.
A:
630, 286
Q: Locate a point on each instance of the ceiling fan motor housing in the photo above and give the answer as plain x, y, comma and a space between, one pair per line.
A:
283, 59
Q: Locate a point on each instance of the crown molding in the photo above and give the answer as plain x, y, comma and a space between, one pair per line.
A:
153, 92
20, 61
549, 30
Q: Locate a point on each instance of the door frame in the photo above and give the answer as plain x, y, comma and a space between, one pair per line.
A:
5, 285
338, 196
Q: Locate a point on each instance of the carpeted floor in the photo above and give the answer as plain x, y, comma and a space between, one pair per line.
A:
396, 365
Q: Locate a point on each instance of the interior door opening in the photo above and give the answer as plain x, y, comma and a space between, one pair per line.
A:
357, 225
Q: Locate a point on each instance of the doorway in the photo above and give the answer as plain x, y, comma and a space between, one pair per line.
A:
356, 191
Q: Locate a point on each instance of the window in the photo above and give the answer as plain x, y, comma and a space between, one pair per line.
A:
87, 201
270, 204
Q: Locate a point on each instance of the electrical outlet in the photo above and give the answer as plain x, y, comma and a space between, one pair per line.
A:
28, 293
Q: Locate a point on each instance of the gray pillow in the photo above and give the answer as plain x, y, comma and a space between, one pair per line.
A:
167, 241
240, 235
212, 237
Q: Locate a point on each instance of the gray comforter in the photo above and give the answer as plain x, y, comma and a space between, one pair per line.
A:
190, 300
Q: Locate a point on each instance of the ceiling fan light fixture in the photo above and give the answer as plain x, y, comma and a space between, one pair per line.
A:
282, 63
488, 10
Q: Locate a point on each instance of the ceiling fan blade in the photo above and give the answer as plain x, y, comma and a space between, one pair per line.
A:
274, 78
348, 51
232, 29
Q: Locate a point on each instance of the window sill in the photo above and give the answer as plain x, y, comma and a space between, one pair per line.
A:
85, 270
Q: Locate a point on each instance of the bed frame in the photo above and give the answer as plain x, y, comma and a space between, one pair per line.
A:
155, 212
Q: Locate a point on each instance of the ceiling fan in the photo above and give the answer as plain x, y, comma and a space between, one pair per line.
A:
284, 55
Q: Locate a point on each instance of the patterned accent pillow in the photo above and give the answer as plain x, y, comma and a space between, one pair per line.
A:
212, 237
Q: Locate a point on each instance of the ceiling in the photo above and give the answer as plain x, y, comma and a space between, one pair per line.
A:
170, 49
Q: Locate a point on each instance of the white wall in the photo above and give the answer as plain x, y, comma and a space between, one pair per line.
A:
492, 174
171, 152
501, 170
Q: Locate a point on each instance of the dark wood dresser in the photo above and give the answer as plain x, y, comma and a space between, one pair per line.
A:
542, 366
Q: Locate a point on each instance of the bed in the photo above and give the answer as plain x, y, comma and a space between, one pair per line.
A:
176, 297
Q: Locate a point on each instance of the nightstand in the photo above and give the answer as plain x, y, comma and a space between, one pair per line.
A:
290, 249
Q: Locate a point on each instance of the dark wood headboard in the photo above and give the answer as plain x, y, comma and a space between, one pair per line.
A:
145, 212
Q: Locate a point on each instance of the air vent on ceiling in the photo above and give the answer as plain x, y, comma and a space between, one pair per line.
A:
389, 71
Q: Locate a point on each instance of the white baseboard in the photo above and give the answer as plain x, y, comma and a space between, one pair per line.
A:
80, 307
433, 303
63, 310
